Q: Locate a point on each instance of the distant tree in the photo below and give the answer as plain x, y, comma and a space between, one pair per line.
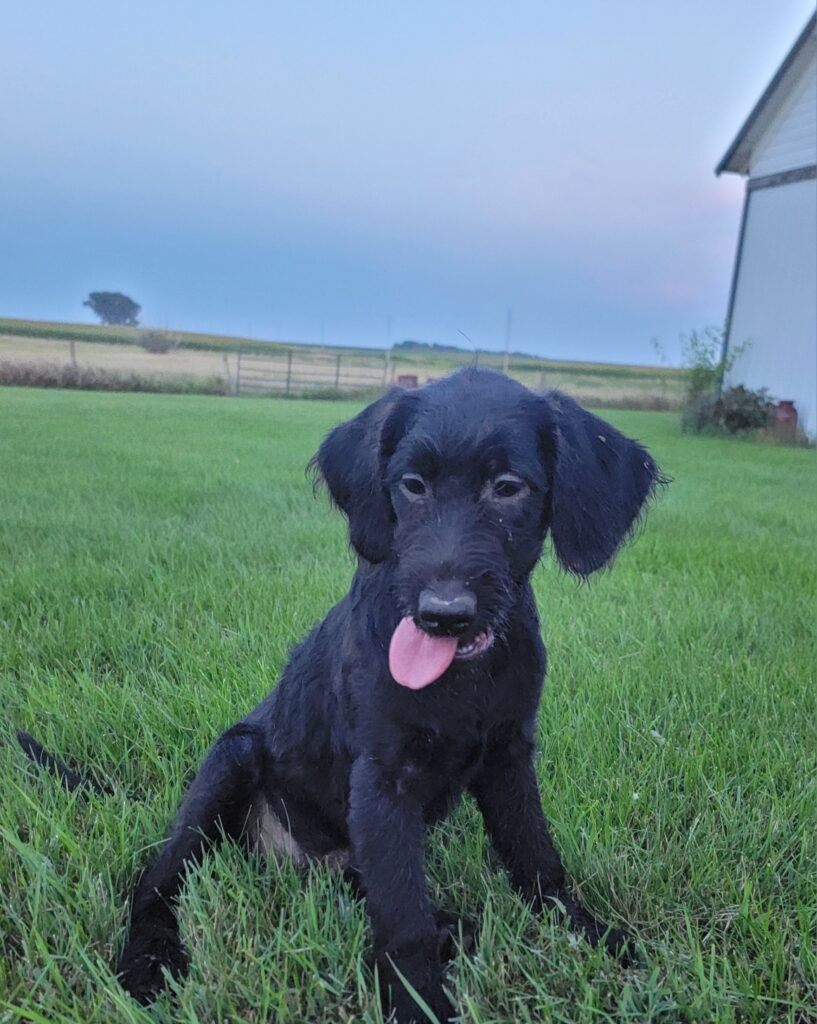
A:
114, 308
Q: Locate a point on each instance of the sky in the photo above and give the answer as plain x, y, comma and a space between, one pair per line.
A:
361, 173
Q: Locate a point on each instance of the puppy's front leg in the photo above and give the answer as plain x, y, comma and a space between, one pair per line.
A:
387, 833
507, 792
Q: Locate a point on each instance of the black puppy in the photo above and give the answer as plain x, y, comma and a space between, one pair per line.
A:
424, 681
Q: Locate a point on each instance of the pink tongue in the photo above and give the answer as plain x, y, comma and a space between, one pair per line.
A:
417, 659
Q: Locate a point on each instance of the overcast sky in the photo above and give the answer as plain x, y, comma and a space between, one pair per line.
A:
353, 171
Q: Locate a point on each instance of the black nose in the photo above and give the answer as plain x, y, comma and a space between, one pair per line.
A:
446, 609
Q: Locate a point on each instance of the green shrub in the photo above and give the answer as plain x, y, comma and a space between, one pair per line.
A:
707, 407
740, 409
736, 410
698, 413
704, 361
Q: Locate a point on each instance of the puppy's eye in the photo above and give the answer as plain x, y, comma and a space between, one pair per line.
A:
508, 486
413, 485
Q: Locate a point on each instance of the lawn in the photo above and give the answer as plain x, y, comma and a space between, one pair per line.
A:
158, 557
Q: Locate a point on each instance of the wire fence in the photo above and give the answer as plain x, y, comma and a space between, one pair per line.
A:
290, 373
160, 363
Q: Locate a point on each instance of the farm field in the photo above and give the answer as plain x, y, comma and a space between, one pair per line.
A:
266, 367
160, 555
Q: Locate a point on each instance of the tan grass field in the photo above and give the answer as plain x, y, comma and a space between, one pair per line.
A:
117, 358
314, 369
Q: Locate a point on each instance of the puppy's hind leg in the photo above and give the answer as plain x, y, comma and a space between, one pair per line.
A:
223, 800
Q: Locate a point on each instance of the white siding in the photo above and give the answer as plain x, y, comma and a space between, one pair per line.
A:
790, 141
775, 307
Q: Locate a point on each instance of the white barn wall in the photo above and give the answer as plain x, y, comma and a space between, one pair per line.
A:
791, 139
775, 302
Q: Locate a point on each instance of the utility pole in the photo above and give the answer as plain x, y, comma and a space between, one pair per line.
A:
507, 341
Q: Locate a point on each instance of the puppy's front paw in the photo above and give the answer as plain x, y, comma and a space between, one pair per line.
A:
616, 941
150, 954
414, 968
620, 945
454, 931
406, 1010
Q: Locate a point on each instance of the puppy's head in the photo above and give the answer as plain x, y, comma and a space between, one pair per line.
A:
456, 486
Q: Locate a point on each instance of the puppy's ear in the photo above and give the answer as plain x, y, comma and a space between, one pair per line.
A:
601, 480
352, 462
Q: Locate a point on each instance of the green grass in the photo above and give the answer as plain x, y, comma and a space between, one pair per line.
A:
159, 557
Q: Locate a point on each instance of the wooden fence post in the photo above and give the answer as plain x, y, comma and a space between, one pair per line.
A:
289, 370
337, 372
73, 346
238, 374
385, 368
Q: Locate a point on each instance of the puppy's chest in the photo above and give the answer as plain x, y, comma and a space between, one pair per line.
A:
435, 768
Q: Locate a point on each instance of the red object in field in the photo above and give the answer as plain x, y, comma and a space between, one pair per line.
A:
407, 380
784, 419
